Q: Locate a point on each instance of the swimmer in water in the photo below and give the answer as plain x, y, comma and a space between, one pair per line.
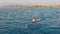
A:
34, 20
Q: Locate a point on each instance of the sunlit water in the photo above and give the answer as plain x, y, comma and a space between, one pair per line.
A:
19, 21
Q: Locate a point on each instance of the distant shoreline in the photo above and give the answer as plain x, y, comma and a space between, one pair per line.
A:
34, 6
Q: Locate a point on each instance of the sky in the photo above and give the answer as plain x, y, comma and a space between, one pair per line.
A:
30, 2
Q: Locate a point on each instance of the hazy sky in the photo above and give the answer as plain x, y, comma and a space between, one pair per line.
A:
30, 2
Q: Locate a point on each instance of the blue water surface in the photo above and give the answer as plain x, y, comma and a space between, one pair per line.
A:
19, 21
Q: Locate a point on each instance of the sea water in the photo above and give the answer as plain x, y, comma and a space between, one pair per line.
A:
19, 21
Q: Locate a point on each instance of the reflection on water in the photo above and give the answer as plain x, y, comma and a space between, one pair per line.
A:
19, 21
